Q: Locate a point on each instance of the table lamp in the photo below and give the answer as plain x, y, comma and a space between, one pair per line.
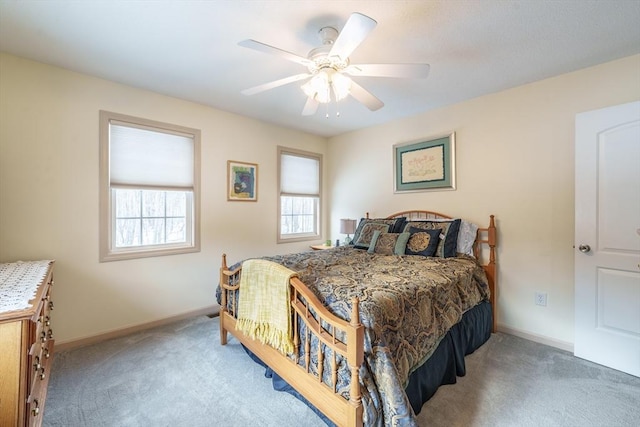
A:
347, 226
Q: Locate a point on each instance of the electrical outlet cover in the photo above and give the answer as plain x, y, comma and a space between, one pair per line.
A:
541, 299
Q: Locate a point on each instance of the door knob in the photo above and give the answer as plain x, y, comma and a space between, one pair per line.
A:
584, 248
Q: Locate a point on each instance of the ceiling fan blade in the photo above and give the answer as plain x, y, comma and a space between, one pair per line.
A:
356, 29
365, 97
413, 71
274, 84
261, 47
310, 107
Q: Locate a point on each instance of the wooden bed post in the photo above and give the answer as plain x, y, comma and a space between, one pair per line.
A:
355, 358
491, 269
224, 279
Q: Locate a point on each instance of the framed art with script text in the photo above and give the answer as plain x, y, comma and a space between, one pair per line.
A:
425, 165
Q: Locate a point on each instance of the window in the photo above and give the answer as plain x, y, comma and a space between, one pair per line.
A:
299, 175
149, 188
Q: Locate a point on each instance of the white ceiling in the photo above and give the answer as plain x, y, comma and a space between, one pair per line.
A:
188, 49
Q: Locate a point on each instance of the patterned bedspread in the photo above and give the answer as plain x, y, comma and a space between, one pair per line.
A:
407, 304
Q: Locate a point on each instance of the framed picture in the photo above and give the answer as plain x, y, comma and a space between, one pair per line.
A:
425, 165
242, 181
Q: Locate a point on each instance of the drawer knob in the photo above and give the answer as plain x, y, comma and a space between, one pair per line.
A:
47, 321
36, 410
36, 364
50, 334
46, 353
42, 375
43, 337
50, 305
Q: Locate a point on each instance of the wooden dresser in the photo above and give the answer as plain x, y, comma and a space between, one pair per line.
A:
26, 354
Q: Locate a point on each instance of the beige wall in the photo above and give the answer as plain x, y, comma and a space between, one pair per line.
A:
49, 196
515, 159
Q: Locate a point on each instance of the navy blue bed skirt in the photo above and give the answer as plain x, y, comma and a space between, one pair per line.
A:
443, 367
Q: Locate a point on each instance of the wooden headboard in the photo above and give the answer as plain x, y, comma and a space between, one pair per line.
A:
485, 236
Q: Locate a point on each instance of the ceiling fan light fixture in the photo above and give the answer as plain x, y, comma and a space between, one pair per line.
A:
317, 87
341, 85
320, 86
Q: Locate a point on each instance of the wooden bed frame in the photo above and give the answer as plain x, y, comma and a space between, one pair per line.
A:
327, 328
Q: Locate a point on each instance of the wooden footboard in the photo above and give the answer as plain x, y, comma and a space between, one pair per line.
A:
333, 336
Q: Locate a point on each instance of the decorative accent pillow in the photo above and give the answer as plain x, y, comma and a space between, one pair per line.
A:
448, 234
422, 242
395, 226
363, 239
388, 243
466, 236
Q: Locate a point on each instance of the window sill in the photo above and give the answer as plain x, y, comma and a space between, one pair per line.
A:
138, 253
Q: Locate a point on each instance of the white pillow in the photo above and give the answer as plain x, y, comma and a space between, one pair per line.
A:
466, 235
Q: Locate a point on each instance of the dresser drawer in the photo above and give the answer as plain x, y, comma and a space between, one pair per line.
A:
35, 411
41, 336
38, 389
40, 362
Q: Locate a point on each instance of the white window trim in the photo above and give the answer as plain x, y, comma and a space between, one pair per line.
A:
105, 206
299, 237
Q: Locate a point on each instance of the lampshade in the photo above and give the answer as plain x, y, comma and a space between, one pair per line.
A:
347, 226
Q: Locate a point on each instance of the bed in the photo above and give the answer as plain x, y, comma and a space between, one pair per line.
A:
375, 332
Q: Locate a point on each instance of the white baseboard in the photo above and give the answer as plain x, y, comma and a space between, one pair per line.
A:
92, 339
562, 345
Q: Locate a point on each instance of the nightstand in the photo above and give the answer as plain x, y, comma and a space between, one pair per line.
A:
321, 247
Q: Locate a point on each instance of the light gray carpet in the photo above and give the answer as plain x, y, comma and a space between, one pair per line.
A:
179, 375
511, 381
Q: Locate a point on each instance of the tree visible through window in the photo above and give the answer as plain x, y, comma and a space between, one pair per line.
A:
298, 214
149, 217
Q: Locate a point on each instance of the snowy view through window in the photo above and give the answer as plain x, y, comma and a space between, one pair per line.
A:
149, 217
298, 215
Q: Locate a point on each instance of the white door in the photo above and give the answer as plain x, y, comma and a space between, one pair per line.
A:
607, 237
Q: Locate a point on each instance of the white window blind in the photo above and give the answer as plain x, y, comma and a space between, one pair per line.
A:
299, 175
145, 157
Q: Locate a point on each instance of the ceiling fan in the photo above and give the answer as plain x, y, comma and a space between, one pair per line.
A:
328, 67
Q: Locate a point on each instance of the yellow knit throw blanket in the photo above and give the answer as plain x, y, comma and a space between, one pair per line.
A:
264, 313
